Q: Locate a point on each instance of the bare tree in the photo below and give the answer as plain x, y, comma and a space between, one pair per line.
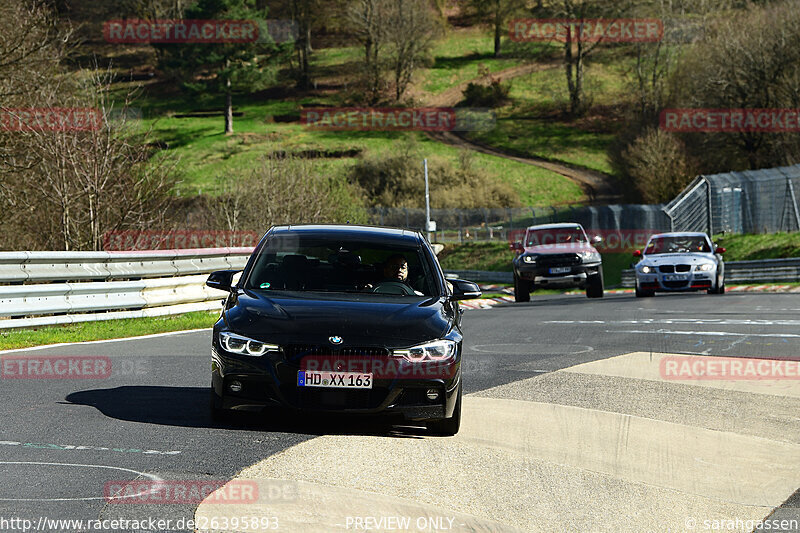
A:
496, 13
750, 60
412, 26
576, 48
658, 165
366, 17
289, 191
62, 187
397, 36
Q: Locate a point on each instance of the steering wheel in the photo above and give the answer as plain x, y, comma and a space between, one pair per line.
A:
393, 287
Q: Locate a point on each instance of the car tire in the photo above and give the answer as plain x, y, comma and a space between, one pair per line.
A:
644, 294
522, 289
448, 426
720, 288
594, 286
215, 406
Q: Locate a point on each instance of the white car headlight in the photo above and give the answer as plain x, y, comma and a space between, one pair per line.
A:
529, 258
705, 267
234, 343
589, 257
645, 269
430, 351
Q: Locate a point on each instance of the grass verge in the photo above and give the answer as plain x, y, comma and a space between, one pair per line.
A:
104, 330
762, 246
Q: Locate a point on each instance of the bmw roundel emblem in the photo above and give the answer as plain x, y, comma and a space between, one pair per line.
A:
335, 339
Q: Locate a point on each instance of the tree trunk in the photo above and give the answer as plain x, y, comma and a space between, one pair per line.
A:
573, 63
228, 108
498, 28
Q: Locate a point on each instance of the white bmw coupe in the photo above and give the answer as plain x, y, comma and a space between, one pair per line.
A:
674, 262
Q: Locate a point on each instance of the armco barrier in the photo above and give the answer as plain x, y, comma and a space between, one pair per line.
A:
481, 275
758, 271
45, 288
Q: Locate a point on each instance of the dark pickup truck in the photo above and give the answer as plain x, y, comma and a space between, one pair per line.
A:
557, 256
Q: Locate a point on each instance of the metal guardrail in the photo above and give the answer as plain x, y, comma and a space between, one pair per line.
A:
481, 275
757, 271
48, 288
26, 267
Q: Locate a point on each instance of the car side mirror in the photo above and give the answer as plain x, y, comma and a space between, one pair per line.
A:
221, 279
517, 247
637, 253
597, 239
720, 250
464, 290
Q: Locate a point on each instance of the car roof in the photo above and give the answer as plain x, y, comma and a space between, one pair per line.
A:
351, 231
556, 225
680, 234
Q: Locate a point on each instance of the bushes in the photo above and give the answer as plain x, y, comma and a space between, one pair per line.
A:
397, 180
493, 95
658, 165
281, 191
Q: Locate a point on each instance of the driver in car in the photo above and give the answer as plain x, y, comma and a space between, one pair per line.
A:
395, 268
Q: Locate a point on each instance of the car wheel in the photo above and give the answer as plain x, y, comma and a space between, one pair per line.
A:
720, 288
594, 286
449, 426
215, 406
644, 294
522, 290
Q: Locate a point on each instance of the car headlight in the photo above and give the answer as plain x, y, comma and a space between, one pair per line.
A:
645, 269
234, 343
705, 267
430, 351
589, 257
529, 258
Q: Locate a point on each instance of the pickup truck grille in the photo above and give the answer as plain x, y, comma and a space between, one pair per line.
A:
554, 260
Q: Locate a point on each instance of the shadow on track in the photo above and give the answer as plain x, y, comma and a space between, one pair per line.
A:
188, 407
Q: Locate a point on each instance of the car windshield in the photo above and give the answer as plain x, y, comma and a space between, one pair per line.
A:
669, 245
564, 235
292, 263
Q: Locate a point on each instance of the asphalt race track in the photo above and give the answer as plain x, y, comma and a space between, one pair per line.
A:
570, 424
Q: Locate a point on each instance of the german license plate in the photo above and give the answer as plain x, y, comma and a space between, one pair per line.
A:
335, 380
560, 270
675, 277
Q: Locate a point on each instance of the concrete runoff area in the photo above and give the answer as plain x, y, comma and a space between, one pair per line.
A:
626, 461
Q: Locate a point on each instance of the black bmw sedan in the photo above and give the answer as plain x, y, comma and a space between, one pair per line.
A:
352, 319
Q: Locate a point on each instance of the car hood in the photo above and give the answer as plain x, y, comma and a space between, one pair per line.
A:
564, 248
311, 318
681, 258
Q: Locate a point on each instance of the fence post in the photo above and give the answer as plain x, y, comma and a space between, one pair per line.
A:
709, 207
794, 202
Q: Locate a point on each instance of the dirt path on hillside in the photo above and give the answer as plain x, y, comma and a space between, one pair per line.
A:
599, 187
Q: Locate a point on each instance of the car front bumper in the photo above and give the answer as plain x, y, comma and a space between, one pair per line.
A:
271, 381
693, 281
575, 276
